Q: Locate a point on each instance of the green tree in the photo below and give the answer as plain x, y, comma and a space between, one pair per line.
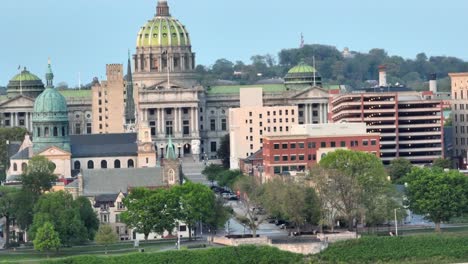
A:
251, 191
39, 176
212, 172
46, 238
88, 216
196, 203
8, 135
163, 210
398, 169
228, 177
356, 178
291, 201
219, 216
8, 207
224, 151
442, 163
106, 236
138, 215
437, 194
59, 209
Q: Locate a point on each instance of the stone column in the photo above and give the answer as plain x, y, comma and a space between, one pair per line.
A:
176, 120
196, 120
320, 114
163, 122
325, 112
26, 121
148, 63
192, 120
180, 120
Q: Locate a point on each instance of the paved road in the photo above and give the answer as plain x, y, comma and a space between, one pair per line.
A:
270, 230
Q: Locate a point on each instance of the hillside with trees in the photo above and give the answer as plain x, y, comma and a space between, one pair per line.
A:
353, 70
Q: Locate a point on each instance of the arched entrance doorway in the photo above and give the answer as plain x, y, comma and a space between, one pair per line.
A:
187, 149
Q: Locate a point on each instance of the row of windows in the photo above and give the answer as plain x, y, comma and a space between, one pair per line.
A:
269, 113
279, 169
461, 95
323, 144
461, 107
117, 164
45, 132
293, 157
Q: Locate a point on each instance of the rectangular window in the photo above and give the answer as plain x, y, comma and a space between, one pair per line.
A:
301, 156
89, 128
285, 158
293, 157
301, 145
311, 145
276, 146
213, 125
333, 144
78, 129
365, 143
186, 125
168, 128
293, 145
343, 144
153, 128
309, 157
277, 158
285, 168
213, 146
223, 124
285, 146
373, 142
277, 169
323, 144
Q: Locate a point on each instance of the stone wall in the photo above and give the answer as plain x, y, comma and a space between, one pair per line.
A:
303, 248
331, 238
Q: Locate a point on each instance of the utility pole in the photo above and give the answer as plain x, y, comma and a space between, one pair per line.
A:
396, 223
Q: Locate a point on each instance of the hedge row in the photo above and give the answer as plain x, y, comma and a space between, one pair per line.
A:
427, 248
228, 255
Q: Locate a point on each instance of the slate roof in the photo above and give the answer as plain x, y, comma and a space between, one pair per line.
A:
112, 181
21, 155
13, 148
102, 198
104, 145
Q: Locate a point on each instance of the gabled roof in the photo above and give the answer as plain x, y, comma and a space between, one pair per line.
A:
112, 181
21, 155
104, 145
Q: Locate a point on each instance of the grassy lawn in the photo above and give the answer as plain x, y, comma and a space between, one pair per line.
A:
449, 247
30, 255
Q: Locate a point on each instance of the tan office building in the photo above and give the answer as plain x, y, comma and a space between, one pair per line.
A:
460, 117
108, 102
252, 121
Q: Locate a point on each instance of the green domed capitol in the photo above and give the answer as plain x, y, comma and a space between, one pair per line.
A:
163, 47
25, 83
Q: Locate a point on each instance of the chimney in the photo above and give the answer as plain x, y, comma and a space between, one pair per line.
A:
433, 83
382, 76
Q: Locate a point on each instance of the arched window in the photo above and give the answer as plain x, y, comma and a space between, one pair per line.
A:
90, 164
77, 165
46, 132
130, 163
55, 132
117, 164
24, 166
38, 131
103, 164
15, 167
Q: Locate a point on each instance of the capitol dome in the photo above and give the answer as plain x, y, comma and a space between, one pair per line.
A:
25, 83
302, 75
163, 30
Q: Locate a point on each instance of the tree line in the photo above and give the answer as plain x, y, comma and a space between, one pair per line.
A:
353, 70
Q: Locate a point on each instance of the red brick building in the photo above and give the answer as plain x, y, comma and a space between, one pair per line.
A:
300, 151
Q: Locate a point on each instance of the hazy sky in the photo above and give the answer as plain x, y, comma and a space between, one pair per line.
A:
85, 35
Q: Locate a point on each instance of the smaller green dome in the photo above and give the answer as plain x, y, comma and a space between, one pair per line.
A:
25, 75
302, 76
302, 68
